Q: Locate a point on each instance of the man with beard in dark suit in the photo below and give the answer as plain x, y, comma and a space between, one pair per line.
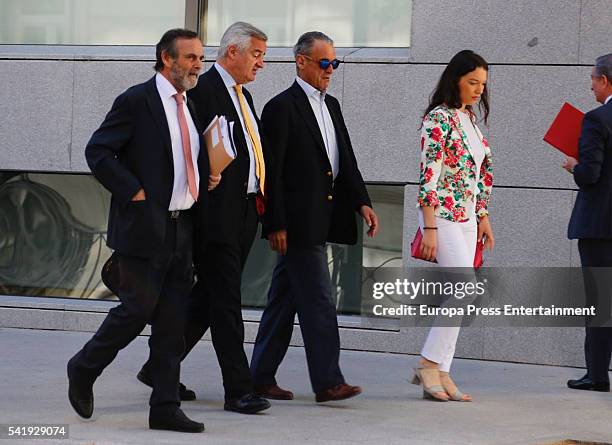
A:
148, 154
591, 222
225, 237
315, 192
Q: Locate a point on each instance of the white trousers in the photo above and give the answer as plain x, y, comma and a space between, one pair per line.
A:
456, 247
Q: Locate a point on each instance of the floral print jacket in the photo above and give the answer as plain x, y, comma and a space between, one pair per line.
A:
448, 179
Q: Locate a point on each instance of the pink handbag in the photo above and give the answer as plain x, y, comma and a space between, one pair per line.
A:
415, 250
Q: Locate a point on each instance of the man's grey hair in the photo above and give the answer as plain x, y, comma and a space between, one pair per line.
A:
239, 34
307, 40
603, 66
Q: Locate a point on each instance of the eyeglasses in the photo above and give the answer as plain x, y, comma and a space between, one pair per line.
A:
325, 63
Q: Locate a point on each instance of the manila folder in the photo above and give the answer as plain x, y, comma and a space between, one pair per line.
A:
219, 156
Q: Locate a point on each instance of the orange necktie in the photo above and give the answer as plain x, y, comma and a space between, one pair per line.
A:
186, 140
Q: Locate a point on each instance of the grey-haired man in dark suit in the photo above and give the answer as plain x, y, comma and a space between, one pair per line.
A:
591, 220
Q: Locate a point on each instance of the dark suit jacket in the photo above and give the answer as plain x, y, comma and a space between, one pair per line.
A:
592, 214
303, 197
227, 201
130, 150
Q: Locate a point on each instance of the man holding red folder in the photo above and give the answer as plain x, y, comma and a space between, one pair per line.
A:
591, 220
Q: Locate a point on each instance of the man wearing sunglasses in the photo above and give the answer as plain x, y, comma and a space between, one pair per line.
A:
314, 190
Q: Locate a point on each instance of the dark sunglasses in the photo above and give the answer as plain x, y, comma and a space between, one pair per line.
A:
325, 63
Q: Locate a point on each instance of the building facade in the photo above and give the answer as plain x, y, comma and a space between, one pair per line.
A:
62, 65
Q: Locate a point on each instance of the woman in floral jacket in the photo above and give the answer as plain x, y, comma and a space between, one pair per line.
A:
454, 190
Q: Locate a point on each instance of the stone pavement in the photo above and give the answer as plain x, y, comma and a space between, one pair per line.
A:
514, 403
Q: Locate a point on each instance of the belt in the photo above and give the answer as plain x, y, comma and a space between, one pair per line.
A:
251, 195
176, 214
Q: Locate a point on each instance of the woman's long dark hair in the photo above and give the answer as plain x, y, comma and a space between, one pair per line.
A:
447, 90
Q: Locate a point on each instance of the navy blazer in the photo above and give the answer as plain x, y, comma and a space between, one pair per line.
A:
227, 201
592, 214
303, 197
132, 150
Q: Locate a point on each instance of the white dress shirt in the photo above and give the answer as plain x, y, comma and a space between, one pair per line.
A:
228, 80
476, 150
181, 198
608, 99
326, 125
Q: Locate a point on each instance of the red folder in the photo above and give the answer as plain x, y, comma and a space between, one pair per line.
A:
415, 250
564, 132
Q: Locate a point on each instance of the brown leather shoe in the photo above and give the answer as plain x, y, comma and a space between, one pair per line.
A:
338, 392
274, 392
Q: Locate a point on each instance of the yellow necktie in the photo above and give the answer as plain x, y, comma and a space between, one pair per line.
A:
260, 166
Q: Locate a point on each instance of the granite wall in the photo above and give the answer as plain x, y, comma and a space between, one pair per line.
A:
540, 51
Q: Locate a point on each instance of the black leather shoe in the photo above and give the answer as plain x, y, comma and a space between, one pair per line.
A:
247, 404
80, 395
585, 383
184, 393
174, 421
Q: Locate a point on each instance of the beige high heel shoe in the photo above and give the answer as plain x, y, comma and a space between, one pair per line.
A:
429, 378
457, 395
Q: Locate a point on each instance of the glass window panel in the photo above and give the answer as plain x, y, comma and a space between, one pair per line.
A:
346, 263
88, 22
53, 242
351, 23
52, 235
